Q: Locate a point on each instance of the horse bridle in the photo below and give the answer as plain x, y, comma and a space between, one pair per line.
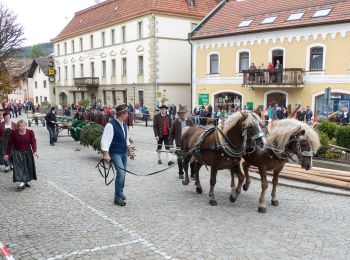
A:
105, 170
299, 153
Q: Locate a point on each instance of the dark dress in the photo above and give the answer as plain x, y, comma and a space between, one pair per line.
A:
4, 138
23, 147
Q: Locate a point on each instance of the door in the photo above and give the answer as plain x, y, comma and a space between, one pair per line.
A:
276, 99
277, 55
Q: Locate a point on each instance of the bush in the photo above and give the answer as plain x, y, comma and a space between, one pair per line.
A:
75, 129
343, 136
328, 128
91, 136
325, 141
84, 103
45, 105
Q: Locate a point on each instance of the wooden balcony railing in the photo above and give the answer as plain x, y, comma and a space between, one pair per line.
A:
87, 82
263, 78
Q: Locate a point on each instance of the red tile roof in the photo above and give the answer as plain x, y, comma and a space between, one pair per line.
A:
112, 12
226, 19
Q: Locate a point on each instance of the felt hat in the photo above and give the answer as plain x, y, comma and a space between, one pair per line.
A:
182, 109
163, 106
121, 108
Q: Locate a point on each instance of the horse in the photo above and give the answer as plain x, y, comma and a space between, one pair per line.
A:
221, 148
287, 138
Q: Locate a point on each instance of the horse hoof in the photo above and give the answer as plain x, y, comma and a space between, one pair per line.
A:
261, 210
213, 203
199, 190
185, 183
274, 203
232, 199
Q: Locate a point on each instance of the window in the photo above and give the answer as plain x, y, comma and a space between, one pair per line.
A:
113, 68
296, 16
41, 99
45, 99
65, 48
123, 34
37, 100
140, 65
59, 73
112, 36
191, 3
268, 20
73, 47
114, 98
91, 41
243, 61
141, 97
65, 73
58, 50
245, 23
82, 95
73, 71
92, 69
74, 97
104, 98
82, 70
316, 58
322, 13
103, 39
124, 64
81, 44
44, 83
36, 84
140, 30
103, 69
214, 64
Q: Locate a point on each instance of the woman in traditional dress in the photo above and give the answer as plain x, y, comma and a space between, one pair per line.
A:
5, 130
22, 143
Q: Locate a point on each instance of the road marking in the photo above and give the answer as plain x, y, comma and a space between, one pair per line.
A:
121, 226
5, 252
96, 249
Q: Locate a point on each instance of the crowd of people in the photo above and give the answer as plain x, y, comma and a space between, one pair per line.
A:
258, 75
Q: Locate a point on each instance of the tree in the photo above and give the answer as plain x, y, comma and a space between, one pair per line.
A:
11, 33
37, 51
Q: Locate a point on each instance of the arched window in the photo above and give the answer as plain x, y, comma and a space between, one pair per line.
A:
316, 58
243, 61
214, 64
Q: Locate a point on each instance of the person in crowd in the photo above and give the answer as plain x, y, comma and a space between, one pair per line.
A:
51, 123
116, 148
301, 114
1, 115
175, 135
161, 128
66, 111
279, 71
79, 115
22, 148
209, 111
145, 115
285, 112
344, 117
262, 73
196, 113
6, 127
203, 115
112, 114
173, 112
308, 115
271, 70
20, 106
252, 72
265, 112
279, 113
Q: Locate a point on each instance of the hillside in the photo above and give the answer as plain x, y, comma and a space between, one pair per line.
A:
46, 47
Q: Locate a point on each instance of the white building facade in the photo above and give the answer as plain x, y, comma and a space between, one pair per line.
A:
137, 61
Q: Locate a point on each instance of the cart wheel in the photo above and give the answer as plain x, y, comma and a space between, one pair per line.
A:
29, 123
43, 122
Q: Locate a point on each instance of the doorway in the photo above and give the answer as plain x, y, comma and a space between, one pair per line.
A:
278, 55
276, 99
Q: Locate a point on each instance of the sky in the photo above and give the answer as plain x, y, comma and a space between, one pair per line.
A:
43, 19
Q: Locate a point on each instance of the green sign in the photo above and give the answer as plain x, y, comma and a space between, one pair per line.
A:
250, 105
203, 99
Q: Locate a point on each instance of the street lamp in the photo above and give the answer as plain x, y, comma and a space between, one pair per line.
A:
134, 87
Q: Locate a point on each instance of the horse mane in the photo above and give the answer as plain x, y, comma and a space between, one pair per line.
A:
233, 120
283, 130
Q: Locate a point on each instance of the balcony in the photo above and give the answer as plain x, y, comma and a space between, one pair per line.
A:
87, 82
289, 78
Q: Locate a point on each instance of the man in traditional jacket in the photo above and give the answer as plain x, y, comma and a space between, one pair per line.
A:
175, 135
161, 128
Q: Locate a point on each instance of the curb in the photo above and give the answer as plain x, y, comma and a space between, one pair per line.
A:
317, 188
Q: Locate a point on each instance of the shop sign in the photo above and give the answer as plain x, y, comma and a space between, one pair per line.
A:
203, 99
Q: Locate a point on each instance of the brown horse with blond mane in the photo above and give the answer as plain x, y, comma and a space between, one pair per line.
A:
221, 148
287, 139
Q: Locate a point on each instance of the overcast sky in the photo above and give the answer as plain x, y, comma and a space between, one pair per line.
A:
44, 19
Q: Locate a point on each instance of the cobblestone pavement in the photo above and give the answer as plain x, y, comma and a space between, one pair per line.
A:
69, 213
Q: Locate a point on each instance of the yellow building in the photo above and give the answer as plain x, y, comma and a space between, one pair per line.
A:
310, 39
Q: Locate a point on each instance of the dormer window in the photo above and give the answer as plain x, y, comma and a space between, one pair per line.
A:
269, 20
295, 16
191, 3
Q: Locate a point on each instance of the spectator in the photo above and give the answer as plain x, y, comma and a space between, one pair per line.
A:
279, 113
261, 74
252, 73
146, 115
51, 123
271, 70
285, 112
279, 72
301, 115
308, 115
344, 118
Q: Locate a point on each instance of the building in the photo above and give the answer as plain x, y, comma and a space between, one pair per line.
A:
17, 69
41, 89
123, 51
310, 39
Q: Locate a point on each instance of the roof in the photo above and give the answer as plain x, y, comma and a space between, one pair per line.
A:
43, 63
112, 12
227, 18
17, 67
